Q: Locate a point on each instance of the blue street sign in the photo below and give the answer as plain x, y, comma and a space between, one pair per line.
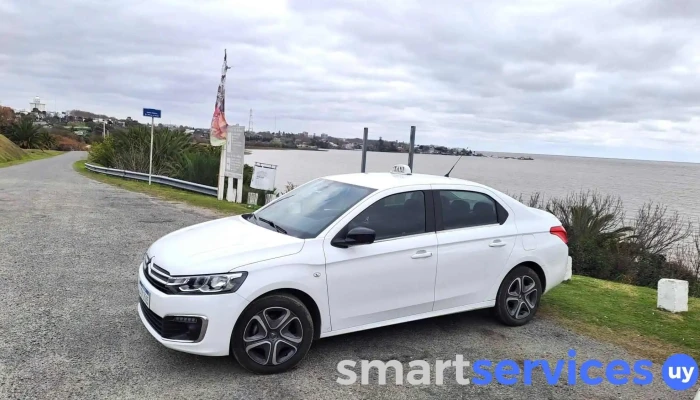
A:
151, 112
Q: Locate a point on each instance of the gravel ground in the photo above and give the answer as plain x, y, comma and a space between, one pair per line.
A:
69, 249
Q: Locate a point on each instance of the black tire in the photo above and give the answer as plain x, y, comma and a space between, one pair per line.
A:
262, 344
516, 307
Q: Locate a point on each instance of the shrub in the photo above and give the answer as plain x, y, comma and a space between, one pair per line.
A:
657, 244
657, 230
25, 134
67, 143
47, 141
132, 147
200, 167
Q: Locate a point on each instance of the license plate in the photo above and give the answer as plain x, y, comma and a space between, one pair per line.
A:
145, 296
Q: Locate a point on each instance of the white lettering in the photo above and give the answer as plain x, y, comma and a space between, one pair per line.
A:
423, 371
381, 371
440, 366
688, 373
459, 373
344, 369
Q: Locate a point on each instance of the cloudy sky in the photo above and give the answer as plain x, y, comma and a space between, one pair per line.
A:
593, 78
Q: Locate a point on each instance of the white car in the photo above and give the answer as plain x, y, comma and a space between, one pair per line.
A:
342, 254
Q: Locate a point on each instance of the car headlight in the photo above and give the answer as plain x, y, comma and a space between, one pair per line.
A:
219, 283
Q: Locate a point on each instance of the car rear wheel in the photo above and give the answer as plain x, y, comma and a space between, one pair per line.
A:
519, 296
273, 334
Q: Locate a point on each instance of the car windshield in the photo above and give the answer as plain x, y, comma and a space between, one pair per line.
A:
308, 210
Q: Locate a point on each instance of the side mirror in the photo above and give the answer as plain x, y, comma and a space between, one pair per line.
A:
357, 236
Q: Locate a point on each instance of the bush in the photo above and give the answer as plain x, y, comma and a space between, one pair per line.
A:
27, 135
102, 153
132, 150
67, 143
200, 167
656, 245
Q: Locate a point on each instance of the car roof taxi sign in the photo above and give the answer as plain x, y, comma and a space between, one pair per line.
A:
401, 169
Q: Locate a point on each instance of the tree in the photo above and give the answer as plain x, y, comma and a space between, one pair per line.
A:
7, 117
380, 144
25, 134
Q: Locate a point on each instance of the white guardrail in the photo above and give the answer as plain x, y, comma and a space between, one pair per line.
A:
163, 180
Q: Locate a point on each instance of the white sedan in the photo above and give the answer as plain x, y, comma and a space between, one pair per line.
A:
347, 253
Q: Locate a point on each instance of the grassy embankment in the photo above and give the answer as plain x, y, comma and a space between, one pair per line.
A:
11, 154
625, 315
165, 192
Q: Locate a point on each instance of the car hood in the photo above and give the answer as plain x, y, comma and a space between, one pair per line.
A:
219, 246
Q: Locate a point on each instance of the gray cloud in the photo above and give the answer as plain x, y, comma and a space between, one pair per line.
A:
619, 74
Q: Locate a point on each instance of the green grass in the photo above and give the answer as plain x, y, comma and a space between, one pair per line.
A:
31, 155
625, 315
165, 192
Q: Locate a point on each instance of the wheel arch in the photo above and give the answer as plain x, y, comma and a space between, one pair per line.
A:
308, 302
538, 270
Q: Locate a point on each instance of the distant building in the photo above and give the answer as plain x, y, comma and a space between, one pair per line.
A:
324, 136
36, 103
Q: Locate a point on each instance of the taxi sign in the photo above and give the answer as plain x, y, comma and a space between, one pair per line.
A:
401, 169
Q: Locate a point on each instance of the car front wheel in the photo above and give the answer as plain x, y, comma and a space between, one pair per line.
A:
273, 334
519, 296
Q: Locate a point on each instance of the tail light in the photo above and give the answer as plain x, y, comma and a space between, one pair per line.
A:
559, 232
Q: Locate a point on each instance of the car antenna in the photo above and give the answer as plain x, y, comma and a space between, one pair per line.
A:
447, 175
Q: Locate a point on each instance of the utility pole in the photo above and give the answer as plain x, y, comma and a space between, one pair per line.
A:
104, 129
364, 150
412, 144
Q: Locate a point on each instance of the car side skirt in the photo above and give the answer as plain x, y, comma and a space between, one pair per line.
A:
454, 310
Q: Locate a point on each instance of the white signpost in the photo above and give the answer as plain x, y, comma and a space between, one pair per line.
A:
153, 113
263, 176
232, 162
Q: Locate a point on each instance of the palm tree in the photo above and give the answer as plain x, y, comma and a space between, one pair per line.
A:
25, 134
590, 216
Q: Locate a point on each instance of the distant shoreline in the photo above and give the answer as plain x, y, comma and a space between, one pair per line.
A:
521, 158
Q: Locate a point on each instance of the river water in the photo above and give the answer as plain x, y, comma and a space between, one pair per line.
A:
676, 185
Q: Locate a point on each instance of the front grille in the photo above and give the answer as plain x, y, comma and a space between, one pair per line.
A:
157, 277
169, 328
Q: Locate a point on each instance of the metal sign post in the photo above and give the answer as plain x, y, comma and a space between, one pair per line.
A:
153, 113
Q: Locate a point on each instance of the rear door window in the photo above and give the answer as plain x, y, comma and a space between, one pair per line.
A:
463, 209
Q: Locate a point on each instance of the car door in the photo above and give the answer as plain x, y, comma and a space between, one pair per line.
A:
393, 277
475, 238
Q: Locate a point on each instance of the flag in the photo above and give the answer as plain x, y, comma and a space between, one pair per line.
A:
217, 134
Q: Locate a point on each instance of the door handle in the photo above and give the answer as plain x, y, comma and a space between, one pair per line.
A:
497, 243
422, 254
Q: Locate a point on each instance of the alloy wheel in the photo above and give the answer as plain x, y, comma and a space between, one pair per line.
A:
272, 336
522, 297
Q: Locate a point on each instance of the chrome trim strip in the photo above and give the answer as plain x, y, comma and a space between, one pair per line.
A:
205, 324
150, 273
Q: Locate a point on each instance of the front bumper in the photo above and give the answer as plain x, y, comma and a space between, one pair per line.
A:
220, 310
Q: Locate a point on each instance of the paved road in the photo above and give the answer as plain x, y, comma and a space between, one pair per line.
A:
69, 249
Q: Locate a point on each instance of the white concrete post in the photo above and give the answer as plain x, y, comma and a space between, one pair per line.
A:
673, 295
239, 190
222, 170
569, 269
230, 191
